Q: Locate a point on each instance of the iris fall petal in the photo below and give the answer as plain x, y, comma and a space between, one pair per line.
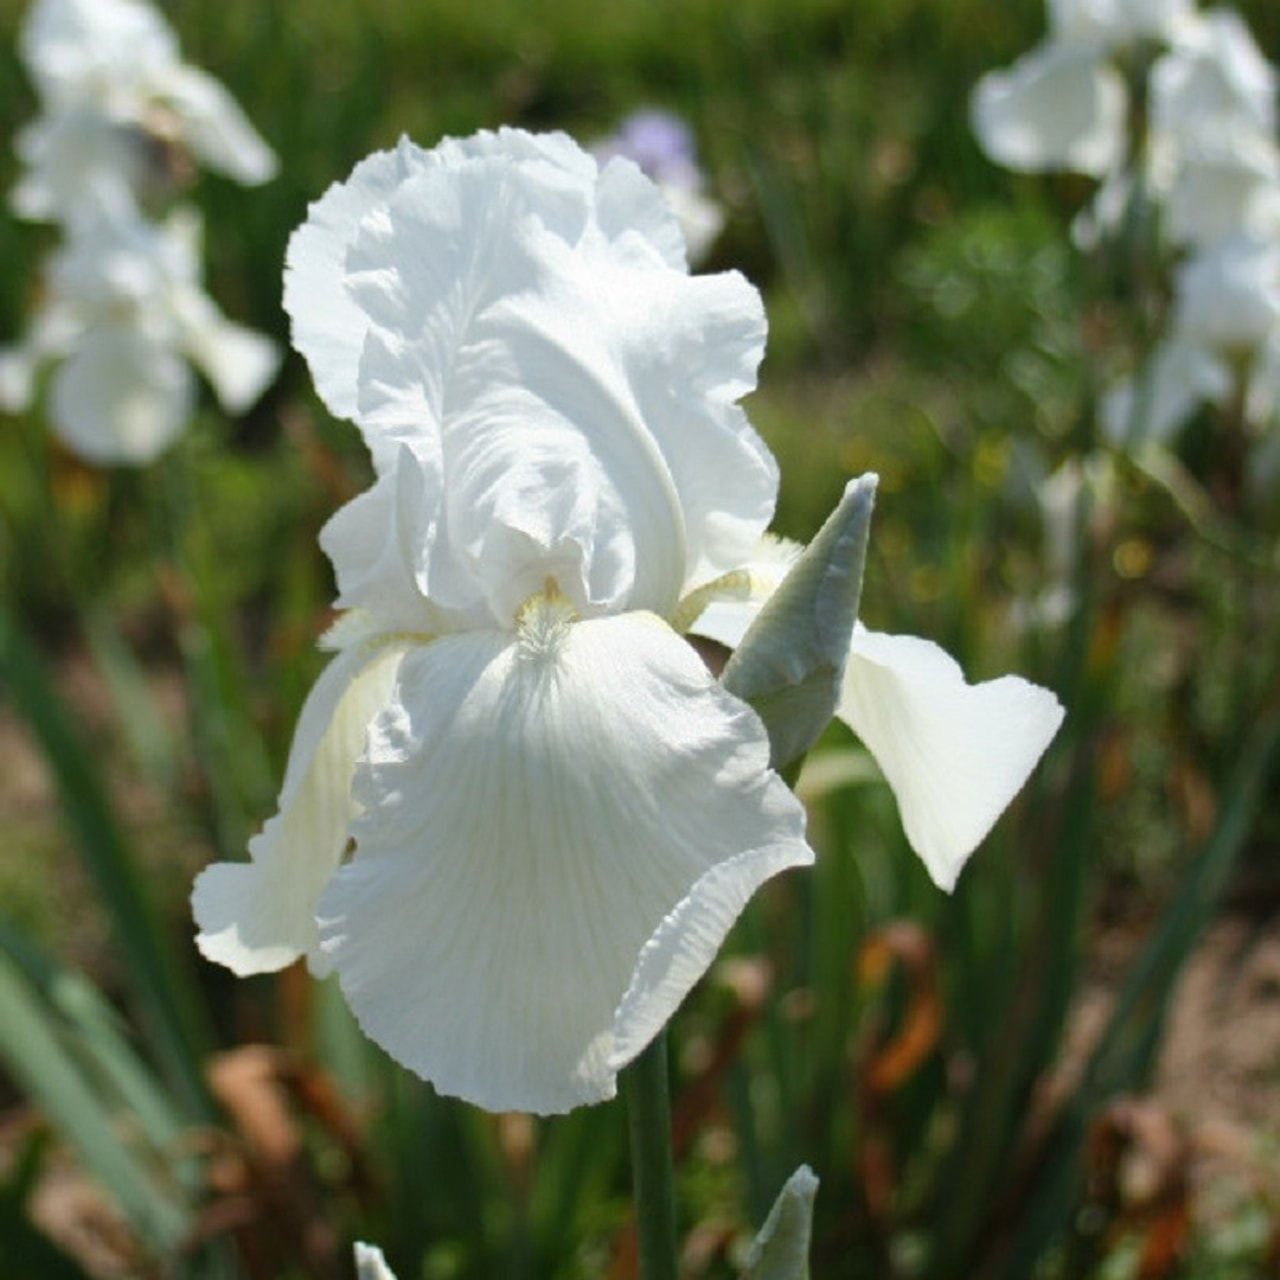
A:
536, 808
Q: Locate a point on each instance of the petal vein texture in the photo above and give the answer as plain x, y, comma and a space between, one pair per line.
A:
534, 810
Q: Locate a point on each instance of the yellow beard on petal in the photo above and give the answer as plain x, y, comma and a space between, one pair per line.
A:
543, 621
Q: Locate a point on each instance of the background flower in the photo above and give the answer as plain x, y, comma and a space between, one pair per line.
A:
119, 109
124, 313
663, 146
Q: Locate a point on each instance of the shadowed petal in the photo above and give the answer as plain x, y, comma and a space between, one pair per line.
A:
259, 916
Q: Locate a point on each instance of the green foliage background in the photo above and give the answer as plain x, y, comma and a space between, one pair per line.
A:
925, 312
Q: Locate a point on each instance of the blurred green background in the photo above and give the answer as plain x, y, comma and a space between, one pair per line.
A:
930, 320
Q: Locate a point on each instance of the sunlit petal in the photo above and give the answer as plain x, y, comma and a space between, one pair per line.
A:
537, 807
328, 327
954, 753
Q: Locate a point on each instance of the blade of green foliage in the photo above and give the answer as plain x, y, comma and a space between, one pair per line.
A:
578, 1159
102, 1043
25, 1250
168, 1003
232, 758
1123, 1056
137, 714
36, 1054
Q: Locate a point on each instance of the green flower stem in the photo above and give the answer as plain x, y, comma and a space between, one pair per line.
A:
645, 1087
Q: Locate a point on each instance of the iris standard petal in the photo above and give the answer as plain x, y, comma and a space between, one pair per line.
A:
580, 387
536, 807
481, 282
328, 327
954, 753
259, 916
1058, 107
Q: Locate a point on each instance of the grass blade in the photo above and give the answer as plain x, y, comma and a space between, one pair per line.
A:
168, 1003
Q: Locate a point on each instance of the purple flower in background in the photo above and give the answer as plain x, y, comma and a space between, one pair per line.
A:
663, 146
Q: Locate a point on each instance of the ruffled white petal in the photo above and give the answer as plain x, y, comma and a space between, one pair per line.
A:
380, 545
954, 753
1058, 107
530, 321
328, 327
259, 916
120, 396
688, 939
537, 807
480, 281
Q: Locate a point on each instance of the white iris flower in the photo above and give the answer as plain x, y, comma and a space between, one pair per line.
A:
123, 312
1206, 147
556, 811
116, 100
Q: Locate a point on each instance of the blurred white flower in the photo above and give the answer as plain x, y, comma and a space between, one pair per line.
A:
1223, 341
1202, 143
557, 812
663, 146
1213, 157
118, 106
122, 314
1065, 104
954, 754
